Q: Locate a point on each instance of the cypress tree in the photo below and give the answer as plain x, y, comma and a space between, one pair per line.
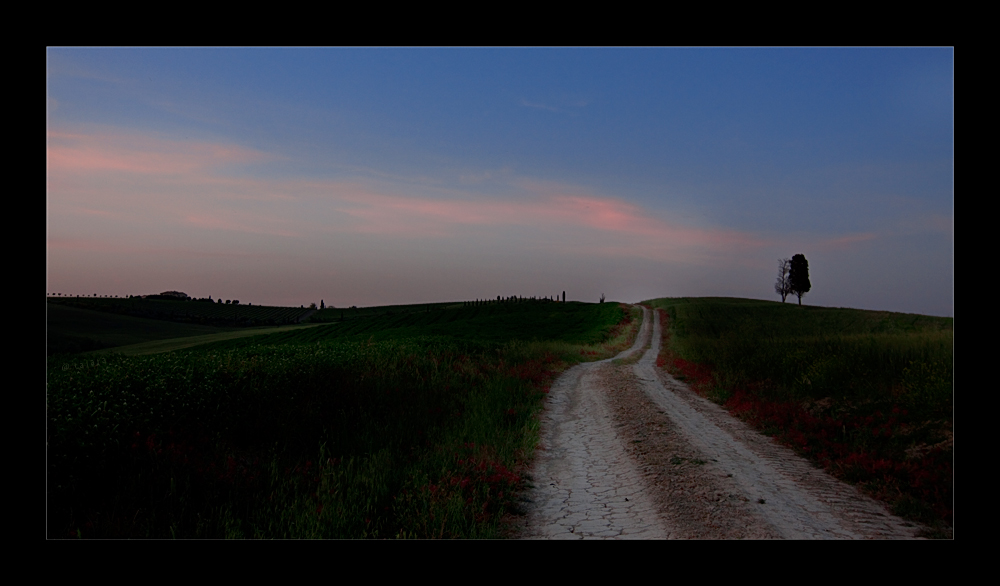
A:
798, 276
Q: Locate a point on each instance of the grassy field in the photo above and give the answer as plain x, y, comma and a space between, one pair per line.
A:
140, 326
868, 395
72, 329
495, 322
401, 424
170, 344
188, 312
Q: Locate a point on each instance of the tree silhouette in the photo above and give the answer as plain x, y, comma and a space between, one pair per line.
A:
798, 276
783, 285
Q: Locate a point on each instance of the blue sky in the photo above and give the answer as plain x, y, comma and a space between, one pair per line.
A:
375, 176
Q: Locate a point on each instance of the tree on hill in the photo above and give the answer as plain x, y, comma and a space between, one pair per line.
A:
783, 286
798, 276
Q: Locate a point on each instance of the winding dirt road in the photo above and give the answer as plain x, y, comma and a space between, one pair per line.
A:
628, 452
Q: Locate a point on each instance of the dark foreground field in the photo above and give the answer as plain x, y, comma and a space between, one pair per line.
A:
394, 424
867, 395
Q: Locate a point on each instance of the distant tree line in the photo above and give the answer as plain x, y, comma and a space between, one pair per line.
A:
518, 299
165, 296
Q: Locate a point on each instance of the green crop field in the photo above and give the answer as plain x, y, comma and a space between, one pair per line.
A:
402, 423
868, 395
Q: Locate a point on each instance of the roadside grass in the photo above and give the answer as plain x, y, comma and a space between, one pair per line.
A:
353, 436
866, 395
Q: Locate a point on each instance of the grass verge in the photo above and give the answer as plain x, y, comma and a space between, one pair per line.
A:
865, 395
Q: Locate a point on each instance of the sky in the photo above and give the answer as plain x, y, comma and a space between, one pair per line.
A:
374, 176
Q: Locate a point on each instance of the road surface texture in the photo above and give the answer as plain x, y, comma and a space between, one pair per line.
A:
628, 452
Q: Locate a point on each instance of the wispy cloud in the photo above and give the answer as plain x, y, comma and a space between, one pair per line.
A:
125, 153
194, 184
571, 224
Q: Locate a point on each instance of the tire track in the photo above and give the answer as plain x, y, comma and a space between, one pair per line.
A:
797, 499
629, 452
586, 485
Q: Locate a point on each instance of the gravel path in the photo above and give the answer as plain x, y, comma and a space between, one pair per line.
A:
629, 452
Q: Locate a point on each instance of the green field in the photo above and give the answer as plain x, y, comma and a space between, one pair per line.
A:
866, 394
140, 326
170, 344
398, 424
807, 352
72, 329
188, 312
572, 322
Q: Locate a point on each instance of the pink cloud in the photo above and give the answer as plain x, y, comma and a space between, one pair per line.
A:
163, 181
580, 219
117, 152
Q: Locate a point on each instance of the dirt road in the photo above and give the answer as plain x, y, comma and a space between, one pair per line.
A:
628, 452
